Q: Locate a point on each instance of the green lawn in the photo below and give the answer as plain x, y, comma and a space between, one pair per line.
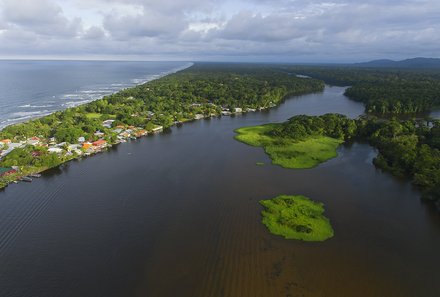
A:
93, 115
296, 217
287, 152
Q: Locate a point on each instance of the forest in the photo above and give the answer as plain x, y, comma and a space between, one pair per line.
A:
201, 89
406, 148
383, 91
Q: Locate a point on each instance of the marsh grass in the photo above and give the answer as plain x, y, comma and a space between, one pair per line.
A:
287, 152
296, 217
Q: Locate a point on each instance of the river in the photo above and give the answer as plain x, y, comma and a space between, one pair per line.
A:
177, 214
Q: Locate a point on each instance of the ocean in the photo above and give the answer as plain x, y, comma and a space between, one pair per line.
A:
30, 89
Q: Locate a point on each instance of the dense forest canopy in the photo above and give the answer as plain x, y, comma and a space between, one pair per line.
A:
201, 89
383, 91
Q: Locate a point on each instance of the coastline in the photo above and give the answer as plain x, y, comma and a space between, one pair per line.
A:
98, 141
83, 94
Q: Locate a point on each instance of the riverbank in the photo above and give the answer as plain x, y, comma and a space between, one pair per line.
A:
201, 91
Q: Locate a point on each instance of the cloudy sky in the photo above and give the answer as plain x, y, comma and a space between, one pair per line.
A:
240, 30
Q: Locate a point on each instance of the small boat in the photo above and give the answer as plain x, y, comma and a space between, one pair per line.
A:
36, 175
26, 179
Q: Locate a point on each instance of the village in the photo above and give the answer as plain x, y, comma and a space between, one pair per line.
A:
83, 147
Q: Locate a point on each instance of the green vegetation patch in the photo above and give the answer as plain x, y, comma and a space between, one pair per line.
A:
296, 217
288, 152
93, 115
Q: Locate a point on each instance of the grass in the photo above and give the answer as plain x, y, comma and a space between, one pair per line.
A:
296, 217
93, 115
289, 153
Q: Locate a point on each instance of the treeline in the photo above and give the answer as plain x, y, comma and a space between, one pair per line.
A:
383, 91
201, 89
406, 148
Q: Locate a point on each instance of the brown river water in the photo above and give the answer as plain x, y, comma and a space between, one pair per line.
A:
177, 214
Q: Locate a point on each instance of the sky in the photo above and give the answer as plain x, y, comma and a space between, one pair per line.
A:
308, 31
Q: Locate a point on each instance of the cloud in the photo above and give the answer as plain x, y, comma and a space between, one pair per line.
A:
39, 16
147, 23
312, 30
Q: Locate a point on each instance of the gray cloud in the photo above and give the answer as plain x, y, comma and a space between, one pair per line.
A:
293, 30
39, 16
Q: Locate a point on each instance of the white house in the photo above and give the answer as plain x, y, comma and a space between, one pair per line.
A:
108, 123
55, 150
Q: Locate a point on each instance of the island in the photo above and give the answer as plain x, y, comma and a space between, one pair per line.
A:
296, 217
406, 148
288, 152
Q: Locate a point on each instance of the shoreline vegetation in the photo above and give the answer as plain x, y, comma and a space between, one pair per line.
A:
406, 148
201, 91
286, 152
296, 217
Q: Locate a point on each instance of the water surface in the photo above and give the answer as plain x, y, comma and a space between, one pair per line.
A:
178, 215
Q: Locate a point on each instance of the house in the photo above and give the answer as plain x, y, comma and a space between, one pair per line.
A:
87, 145
124, 134
36, 154
140, 133
157, 129
6, 141
238, 110
108, 123
99, 133
100, 143
6, 171
226, 113
199, 116
81, 139
118, 130
55, 150
73, 147
33, 141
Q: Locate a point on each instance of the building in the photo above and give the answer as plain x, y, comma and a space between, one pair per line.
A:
100, 143
81, 139
55, 150
157, 129
33, 141
5, 141
6, 171
108, 123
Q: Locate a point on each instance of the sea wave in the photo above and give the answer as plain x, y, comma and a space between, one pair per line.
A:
80, 97
36, 106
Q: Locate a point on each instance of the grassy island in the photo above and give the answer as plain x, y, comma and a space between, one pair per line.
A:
289, 152
296, 217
